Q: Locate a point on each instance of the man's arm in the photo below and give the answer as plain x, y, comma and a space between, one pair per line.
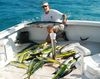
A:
64, 19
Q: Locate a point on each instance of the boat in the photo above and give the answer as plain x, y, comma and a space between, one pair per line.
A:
83, 35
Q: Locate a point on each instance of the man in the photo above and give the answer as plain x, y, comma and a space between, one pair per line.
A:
54, 16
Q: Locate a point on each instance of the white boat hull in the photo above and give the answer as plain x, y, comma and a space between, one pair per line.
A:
87, 33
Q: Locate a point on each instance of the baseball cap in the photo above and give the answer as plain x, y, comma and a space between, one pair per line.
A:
45, 4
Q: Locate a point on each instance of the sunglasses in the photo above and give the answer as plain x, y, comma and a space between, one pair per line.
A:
44, 6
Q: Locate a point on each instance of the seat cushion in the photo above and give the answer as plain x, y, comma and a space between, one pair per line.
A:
76, 46
92, 66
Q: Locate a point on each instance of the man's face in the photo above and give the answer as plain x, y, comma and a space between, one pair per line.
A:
46, 8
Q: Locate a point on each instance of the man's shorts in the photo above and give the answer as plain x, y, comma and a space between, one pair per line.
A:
59, 27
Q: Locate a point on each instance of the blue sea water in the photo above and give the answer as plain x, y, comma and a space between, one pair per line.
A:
13, 12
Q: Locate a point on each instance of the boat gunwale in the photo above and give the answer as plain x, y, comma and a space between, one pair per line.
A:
22, 25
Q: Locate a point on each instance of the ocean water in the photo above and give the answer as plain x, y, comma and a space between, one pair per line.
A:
13, 12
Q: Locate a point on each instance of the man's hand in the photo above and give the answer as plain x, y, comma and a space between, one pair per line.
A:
64, 19
64, 22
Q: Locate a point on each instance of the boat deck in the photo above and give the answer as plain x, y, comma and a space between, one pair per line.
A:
94, 47
11, 72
